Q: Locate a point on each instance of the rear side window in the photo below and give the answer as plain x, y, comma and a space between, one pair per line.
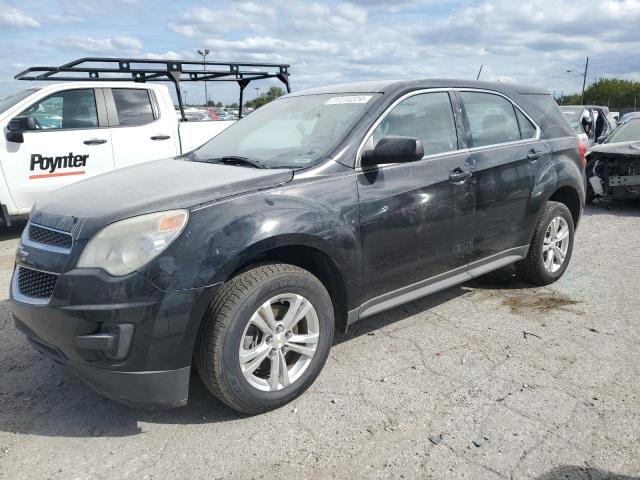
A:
527, 129
133, 106
547, 115
492, 118
66, 109
428, 117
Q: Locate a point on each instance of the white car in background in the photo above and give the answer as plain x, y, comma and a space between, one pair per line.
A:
59, 133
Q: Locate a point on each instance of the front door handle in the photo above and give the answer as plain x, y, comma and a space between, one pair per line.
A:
534, 155
459, 176
160, 137
95, 141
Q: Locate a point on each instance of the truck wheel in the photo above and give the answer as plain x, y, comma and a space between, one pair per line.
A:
265, 337
551, 246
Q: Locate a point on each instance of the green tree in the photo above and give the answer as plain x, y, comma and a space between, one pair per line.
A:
269, 96
616, 93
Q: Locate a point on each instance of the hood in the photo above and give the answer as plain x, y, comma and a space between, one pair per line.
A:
86, 206
621, 148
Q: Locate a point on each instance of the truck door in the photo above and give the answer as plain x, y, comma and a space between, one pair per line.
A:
72, 141
140, 129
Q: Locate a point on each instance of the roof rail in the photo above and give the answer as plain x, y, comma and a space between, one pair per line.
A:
152, 70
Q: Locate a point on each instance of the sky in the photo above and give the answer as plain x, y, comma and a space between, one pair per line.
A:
335, 42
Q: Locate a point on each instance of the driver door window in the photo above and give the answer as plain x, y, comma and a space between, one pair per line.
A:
427, 117
65, 110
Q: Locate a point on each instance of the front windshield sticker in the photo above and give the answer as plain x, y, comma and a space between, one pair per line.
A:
349, 99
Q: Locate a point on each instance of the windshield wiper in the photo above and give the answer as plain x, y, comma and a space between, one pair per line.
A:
234, 160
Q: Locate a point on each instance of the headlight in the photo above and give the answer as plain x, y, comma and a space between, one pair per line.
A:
122, 247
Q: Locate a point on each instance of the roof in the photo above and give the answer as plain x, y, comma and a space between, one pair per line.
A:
390, 86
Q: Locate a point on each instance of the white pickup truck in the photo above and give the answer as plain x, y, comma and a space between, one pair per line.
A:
59, 133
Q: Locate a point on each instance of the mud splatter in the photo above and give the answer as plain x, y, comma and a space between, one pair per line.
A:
541, 302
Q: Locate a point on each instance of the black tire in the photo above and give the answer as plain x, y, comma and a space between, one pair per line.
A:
532, 267
216, 353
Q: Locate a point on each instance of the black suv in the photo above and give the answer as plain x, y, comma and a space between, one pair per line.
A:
322, 208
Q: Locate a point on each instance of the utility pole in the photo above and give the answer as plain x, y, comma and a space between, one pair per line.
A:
479, 72
584, 79
184, 95
257, 92
204, 53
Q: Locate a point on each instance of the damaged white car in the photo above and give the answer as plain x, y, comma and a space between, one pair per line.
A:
613, 167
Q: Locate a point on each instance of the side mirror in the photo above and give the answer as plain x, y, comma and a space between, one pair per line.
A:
394, 150
17, 126
601, 138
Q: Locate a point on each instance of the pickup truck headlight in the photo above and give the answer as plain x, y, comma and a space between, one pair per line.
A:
124, 246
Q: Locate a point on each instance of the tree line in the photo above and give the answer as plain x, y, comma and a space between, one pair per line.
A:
617, 94
262, 99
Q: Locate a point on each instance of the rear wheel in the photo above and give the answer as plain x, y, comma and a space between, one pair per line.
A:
551, 246
266, 337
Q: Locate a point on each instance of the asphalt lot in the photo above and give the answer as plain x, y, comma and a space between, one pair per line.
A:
491, 379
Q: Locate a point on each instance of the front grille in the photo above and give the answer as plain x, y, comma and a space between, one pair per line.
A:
33, 283
49, 237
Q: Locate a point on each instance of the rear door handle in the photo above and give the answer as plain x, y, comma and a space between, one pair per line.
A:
95, 141
160, 137
534, 155
459, 176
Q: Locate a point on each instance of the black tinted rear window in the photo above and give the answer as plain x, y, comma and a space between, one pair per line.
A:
548, 115
133, 106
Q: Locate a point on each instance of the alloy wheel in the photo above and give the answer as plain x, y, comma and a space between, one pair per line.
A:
279, 342
556, 244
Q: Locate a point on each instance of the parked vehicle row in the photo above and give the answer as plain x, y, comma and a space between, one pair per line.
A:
321, 208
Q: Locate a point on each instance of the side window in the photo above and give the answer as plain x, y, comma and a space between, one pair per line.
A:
527, 129
491, 117
68, 109
428, 117
133, 106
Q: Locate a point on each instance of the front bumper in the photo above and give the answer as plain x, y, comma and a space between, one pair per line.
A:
151, 365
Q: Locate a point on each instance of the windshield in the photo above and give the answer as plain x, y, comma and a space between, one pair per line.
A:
8, 102
574, 119
292, 132
627, 132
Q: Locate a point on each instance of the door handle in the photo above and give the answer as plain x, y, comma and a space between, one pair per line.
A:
95, 141
160, 137
459, 176
534, 155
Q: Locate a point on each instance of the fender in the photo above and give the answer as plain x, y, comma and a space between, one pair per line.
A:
563, 170
242, 228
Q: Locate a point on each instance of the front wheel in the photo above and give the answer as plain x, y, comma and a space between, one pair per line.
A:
551, 246
265, 338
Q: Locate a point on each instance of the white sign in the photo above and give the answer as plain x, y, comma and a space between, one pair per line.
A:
348, 99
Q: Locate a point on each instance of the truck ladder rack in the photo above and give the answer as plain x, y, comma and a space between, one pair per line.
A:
148, 70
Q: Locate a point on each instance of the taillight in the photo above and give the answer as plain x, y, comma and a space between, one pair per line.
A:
582, 151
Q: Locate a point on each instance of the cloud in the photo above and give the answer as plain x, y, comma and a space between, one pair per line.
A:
271, 45
90, 44
169, 55
205, 21
62, 19
14, 17
328, 41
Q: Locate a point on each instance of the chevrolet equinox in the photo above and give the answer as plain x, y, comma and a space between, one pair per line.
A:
319, 209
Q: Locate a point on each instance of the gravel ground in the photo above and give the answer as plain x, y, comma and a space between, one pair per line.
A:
491, 379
